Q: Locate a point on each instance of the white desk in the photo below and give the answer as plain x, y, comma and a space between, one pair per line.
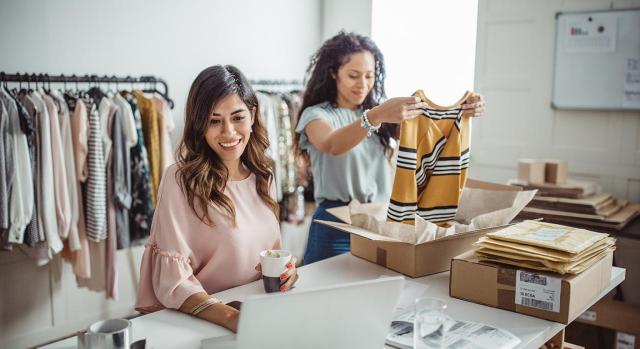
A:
172, 329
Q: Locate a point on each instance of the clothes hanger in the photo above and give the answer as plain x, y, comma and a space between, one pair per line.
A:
94, 91
154, 89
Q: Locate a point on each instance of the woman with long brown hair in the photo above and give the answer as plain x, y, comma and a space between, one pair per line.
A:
216, 209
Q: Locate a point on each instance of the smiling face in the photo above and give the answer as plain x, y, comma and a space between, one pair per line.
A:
229, 129
355, 79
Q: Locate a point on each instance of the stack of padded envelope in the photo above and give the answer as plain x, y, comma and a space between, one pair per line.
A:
545, 246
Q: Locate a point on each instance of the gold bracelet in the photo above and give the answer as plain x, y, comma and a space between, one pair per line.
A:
203, 305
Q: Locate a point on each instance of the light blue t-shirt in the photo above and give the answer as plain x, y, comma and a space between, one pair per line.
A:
363, 173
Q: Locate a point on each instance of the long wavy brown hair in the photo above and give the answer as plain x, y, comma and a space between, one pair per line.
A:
321, 85
201, 173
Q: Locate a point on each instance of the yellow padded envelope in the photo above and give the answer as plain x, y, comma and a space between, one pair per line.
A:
547, 235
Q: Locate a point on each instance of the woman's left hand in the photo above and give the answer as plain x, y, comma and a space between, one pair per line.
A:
473, 106
289, 277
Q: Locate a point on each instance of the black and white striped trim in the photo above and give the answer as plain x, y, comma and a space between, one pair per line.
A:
401, 211
435, 114
428, 161
451, 165
407, 158
438, 213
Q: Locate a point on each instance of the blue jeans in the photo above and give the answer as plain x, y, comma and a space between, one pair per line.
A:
324, 241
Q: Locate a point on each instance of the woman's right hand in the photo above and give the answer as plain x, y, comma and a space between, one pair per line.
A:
395, 110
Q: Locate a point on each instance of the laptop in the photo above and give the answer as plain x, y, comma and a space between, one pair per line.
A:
353, 315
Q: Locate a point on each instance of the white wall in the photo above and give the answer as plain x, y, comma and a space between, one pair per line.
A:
352, 15
170, 39
514, 71
435, 55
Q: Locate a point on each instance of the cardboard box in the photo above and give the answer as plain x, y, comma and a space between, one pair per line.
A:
531, 170
560, 298
412, 260
556, 171
627, 255
613, 314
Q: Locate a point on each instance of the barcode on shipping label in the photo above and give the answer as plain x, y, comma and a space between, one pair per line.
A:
533, 278
534, 303
538, 291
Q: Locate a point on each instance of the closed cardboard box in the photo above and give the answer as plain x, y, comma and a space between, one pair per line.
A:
556, 171
613, 314
554, 297
627, 255
531, 171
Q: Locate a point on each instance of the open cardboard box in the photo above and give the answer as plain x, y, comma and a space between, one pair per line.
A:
412, 260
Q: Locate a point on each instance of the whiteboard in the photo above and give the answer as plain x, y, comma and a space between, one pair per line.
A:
597, 60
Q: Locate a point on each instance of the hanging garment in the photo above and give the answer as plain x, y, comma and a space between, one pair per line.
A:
27, 124
285, 144
4, 193
166, 126
432, 164
69, 164
111, 263
141, 210
63, 206
121, 179
21, 190
80, 259
96, 187
32, 111
151, 128
45, 189
128, 121
271, 123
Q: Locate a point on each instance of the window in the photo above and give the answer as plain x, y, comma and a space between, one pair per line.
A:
428, 45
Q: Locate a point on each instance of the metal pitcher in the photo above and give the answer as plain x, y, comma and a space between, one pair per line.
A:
107, 334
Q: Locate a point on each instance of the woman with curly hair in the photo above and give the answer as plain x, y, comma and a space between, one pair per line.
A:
344, 131
216, 209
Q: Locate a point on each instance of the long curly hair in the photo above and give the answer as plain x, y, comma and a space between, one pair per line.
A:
201, 173
321, 85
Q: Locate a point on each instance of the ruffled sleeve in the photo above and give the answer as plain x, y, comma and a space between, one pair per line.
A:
166, 274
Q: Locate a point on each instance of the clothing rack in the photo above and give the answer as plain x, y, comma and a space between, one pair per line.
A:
288, 85
150, 80
275, 82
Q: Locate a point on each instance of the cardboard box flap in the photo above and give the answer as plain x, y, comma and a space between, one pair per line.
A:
359, 231
342, 213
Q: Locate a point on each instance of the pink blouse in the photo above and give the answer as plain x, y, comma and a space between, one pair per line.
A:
185, 256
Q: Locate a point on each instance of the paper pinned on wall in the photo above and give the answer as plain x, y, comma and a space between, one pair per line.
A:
631, 96
592, 33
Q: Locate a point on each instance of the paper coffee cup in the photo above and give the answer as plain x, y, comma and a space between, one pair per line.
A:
274, 264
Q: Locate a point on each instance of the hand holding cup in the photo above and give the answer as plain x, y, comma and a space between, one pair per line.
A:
278, 269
